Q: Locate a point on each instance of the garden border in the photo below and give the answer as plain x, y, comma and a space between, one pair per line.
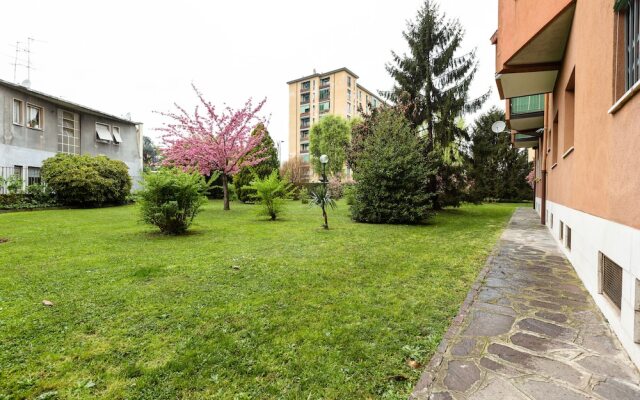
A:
429, 373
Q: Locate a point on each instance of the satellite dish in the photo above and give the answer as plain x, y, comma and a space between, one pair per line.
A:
26, 83
498, 127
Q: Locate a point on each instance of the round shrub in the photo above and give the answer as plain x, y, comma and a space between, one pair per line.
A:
170, 199
86, 181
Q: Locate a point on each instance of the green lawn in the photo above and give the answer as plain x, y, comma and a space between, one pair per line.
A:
240, 308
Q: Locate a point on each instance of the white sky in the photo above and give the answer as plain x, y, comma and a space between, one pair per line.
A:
141, 56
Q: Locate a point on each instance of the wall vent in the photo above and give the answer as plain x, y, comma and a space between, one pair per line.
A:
611, 280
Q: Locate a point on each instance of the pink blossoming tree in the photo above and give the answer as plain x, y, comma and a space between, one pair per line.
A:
213, 142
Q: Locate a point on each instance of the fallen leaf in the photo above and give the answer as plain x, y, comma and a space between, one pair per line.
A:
47, 303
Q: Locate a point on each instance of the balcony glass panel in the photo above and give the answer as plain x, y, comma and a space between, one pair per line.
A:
527, 104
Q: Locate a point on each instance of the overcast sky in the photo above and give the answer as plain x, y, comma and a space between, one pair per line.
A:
137, 57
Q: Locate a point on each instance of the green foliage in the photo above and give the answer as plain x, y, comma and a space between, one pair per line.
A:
270, 192
304, 195
14, 184
361, 128
242, 180
391, 174
170, 199
86, 181
329, 136
449, 180
621, 5
349, 194
496, 170
150, 152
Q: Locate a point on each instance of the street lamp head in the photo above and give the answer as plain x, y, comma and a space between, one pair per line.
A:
324, 159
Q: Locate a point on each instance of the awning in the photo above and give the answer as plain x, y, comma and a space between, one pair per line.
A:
526, 113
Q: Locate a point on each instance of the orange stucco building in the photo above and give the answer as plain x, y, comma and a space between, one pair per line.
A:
569, 71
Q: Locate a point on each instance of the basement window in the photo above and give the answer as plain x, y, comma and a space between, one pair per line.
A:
551, 221
610, 280
568, 239
561, 231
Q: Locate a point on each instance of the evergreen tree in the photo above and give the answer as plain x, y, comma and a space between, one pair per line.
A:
390, 175
242, 179
330, 136
432, 86
496, 170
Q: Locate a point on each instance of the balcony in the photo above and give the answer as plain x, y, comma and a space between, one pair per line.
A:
304, 101
305, 89
325, 84
526, 113
530, 45
304, 114
304, 151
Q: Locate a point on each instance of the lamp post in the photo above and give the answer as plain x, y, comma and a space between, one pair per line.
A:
324, 159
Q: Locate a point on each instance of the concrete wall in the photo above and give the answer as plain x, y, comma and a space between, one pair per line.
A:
20, 145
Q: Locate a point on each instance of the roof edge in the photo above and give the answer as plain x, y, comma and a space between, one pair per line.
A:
304, 78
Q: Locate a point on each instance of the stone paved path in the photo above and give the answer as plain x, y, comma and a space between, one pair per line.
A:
532, 332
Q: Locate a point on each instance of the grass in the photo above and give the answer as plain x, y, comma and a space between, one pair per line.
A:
239, 308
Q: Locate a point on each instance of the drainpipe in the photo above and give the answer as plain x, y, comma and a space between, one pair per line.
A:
543, 209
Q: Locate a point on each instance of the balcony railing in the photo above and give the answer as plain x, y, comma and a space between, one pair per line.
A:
527, 104
304, 114
305, 126
325, 84
305, 89
303, 151
304, 101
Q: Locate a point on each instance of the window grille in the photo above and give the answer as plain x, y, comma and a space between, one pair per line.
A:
632, 43
611, 278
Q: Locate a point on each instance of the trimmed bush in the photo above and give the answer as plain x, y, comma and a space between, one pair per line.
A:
86, 181
170, 199
391, 174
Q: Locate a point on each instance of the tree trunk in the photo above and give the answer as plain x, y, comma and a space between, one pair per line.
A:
225, 191
324, 214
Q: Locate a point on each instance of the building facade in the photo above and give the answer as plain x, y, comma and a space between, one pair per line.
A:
35, 126
570, 74
312, 97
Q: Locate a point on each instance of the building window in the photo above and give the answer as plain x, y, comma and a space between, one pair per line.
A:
68, 132
554, 142
568, 240
304, 135
324, 82
324, 94
115, 131
304, 108
349, 82
348, 108
304, 147
348, 94
304, 123
18, 112
306, 86
632, 43
551, 221
304, 98
33, 176
17, 171
569, 111
35, 117
103, 133
561, 231
324, 107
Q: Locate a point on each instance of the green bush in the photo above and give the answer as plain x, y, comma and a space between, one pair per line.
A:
270, 193
170, 199
349, 193
303, 195
36, 196
391, 174
14, 184
86, 181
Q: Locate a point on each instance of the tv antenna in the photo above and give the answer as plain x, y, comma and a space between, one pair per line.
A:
18, 62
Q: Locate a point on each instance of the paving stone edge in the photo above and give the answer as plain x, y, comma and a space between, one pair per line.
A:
426, 379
